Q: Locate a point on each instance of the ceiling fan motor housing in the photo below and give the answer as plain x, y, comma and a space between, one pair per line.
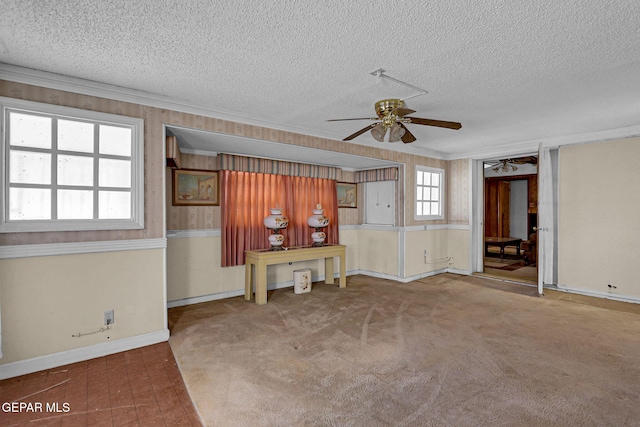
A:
388, 106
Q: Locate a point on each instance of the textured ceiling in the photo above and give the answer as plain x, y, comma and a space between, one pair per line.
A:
510, 72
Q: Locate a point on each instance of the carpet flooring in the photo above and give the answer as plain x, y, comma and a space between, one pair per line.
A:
508, 265
447, 350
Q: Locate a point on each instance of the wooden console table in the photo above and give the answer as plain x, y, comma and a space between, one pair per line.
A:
501, 242
261, 258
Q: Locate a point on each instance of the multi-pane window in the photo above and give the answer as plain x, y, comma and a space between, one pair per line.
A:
429, 200
69, 169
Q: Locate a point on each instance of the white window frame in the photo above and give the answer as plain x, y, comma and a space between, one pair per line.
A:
136, 220
441, 202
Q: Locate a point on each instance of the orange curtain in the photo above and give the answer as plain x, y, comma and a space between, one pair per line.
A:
246, 198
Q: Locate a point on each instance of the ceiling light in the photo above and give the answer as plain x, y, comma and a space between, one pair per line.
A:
396, 132
504, 166
378, 132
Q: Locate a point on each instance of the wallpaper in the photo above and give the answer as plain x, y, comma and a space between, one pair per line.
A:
179, 218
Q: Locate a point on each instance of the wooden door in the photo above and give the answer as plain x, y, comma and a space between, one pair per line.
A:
496, 208
504, 208
490, 208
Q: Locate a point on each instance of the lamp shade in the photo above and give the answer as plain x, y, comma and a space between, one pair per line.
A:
396, 133
378, 132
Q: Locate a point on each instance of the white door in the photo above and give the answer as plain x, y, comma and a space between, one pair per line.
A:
547, 208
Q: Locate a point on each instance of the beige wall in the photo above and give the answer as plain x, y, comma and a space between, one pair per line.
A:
598, 228
46, 300
435, 242
377, 251
458, 249
193, 267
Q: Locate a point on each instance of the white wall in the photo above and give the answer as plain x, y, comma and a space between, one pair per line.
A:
599, 229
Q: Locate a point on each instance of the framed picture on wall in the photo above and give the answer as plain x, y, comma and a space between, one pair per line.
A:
347, 195
193, 187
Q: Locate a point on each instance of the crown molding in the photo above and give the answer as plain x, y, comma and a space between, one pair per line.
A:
92, 88
532, 147
61, 82
49, 80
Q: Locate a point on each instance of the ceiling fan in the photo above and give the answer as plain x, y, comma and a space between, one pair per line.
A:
505, 165
392, 117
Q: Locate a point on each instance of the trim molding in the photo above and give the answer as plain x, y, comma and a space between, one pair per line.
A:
52, 249
437, 227
216, 232
186, 234
554, 142
458, 271
240, 292
50, 361
289, 284
49, 80
87, 87
590, 293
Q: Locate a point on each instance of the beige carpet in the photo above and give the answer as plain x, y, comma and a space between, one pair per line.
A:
447, 350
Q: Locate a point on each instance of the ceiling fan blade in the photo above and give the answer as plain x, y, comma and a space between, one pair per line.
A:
408, 136
524, 160
403, 112
359, 118
360, 132
438, 123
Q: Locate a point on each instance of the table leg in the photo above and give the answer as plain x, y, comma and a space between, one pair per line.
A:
248, 277
328, 270
261, 283
343, 271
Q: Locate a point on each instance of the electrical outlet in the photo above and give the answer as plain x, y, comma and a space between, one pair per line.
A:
108, 317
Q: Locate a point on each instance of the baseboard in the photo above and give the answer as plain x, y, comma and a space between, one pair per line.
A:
204, 298
596, 294
236, 293
458, 271
423, 275
28, 366
289, 284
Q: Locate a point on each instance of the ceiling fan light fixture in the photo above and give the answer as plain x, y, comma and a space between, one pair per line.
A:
394, 116
505, 166
378, 132
396, 132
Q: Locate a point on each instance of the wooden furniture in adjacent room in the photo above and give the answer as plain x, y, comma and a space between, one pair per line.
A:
258, 260
501, 242
530, 249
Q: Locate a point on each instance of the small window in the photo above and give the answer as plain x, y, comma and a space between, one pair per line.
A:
69, 169
429, 193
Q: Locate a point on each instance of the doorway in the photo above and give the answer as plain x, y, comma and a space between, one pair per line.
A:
511, 220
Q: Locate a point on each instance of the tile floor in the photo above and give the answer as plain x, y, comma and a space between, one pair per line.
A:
141, 387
